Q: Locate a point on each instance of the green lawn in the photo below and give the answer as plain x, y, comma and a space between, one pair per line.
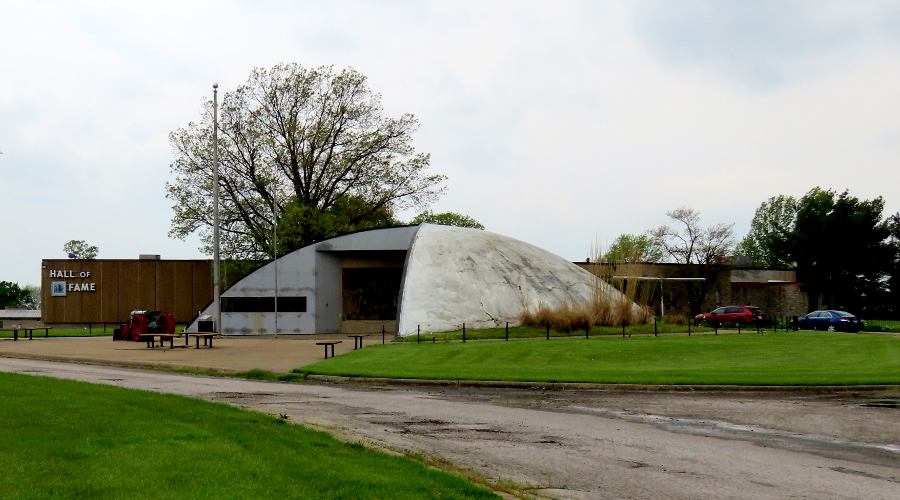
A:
85, 331
525, 332
65, 439
796, 358
95, 331
882, 325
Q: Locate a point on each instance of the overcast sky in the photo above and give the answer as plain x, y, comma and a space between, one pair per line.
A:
563, 124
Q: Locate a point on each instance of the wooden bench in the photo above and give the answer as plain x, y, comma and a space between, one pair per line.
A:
206, 336
328, 343
357, 341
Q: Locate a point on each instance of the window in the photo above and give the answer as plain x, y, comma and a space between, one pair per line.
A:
263, 304
292, 304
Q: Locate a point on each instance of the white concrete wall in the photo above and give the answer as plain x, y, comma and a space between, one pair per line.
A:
455, 275
452, 275
313, 272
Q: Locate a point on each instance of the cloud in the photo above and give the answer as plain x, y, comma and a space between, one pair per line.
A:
761, 44
559, 123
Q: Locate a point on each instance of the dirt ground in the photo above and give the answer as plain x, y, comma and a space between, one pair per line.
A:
278, 354
559, 444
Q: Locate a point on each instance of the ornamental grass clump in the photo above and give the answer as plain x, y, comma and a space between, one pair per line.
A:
605, 308
563, 318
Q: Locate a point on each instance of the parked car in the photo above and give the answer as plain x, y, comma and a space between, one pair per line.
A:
831, 320
730, 314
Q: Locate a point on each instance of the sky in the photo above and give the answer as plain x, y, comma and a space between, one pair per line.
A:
559, 123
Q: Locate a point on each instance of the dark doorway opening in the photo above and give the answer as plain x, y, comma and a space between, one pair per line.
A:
371, 293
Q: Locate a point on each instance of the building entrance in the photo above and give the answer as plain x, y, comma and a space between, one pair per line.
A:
371, 293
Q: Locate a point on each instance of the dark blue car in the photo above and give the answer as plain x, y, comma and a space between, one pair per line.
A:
831, 321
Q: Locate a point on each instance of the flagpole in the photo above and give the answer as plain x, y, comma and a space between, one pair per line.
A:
217, 305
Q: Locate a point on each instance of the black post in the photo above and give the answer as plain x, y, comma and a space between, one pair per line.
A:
689, 327
739, 327
418, 333
623, 328
716, 326
548, 331
382, 334
587, 331
464, 333
654, 327
432, 338
507, 331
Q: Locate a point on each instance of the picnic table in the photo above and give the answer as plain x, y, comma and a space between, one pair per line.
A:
29, 331
206, 336
357, 341
150, 339
327, 344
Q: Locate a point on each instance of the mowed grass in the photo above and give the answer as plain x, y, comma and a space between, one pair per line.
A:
525, 332
796, 358
84, 331
882, 325
64, 439
96, 331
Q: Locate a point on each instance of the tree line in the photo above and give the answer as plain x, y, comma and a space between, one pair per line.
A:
309, 153
845, 250
304, 154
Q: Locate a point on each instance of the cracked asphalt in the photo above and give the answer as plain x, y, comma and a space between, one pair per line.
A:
584, 444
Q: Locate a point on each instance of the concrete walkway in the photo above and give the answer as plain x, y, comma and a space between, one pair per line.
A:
232, 354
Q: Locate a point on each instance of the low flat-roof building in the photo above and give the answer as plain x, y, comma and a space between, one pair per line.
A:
20, 318
81, 291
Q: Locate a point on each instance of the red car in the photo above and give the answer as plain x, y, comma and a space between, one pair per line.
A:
747, 315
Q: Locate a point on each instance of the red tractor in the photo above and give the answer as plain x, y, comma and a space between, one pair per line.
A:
144, 322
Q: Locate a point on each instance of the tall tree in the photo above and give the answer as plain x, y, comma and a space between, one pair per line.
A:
770, 228
842, 249
79, 249
34, 296
299, 225
688, 243
447, 219
892, 293
633, 248
12, 296
294, 135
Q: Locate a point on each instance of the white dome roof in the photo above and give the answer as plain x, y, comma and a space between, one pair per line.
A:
455, 275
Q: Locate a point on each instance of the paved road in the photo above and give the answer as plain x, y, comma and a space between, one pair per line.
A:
578, 445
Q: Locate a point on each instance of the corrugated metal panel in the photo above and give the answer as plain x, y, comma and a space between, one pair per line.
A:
20, 314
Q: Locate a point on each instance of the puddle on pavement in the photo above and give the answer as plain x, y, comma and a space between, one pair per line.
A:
887, 454
882, 403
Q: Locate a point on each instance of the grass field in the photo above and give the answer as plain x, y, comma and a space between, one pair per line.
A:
85, 331
96, 331
526, 332
796, 358
65, 439
882, 325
